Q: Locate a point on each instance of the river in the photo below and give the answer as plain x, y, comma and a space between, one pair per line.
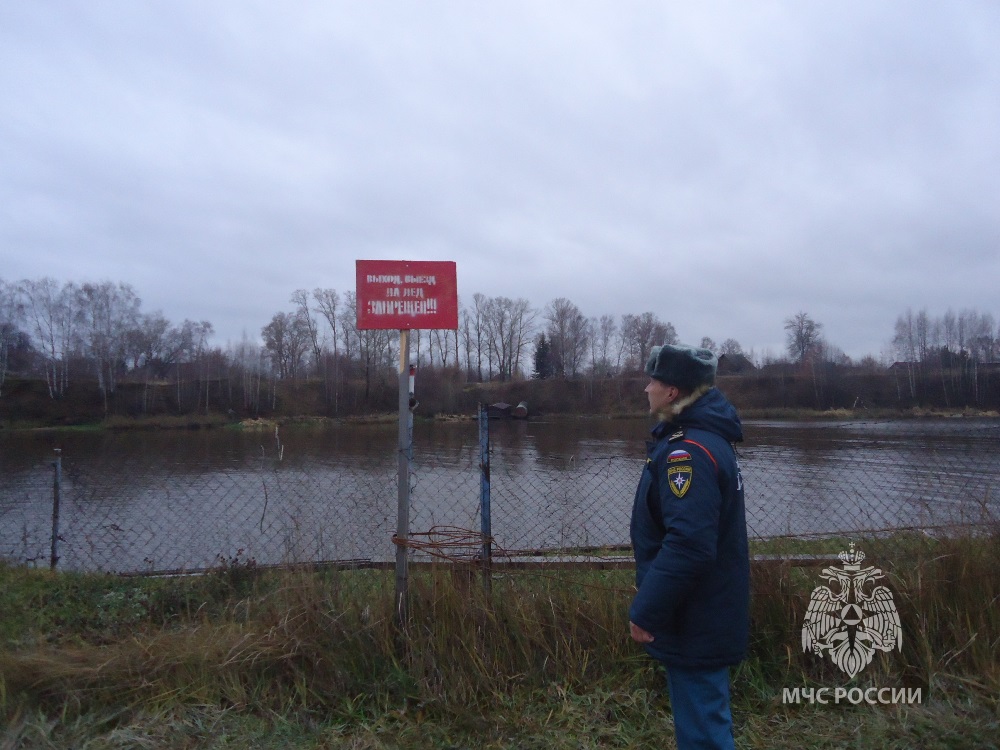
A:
186, 499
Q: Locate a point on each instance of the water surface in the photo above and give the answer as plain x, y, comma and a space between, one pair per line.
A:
183, 499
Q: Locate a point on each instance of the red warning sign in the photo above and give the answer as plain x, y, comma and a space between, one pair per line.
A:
407, 294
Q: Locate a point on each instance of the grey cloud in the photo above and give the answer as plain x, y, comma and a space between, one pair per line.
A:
722, 165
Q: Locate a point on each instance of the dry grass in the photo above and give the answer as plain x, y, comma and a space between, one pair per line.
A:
536, 662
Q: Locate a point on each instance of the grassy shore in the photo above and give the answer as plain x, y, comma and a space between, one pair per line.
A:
314, 659
220, 420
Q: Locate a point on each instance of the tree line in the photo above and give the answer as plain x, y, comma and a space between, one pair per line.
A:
99, 332
967, 335
498, 338
945, 352
95, 330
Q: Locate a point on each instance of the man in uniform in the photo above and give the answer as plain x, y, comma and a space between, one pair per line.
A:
689, 537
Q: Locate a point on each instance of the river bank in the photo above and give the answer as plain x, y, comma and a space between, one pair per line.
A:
243, 657
770, 393
221, 421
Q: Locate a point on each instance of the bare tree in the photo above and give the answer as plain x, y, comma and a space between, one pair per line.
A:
300, 298
708, 343
247, 358
200, 356
508, 327
498, 327
731, 348
378, 350
442, 340
416, 342
978, 334
802, 336
922, 329
466, 327
9, 333
52, 315
146, 341
146, 350
286, 339
327, 302
602, 335
568, 336
475, 334
374, 348
110, 315
522, 332
640, 333
348, 318
949, 332
155, 345
904, 340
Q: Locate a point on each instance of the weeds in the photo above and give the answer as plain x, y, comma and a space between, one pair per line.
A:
316, 658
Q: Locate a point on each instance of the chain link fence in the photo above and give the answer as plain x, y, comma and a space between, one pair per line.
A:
136, 510
887, 482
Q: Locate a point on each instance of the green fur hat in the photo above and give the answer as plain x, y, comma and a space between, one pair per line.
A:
686, 367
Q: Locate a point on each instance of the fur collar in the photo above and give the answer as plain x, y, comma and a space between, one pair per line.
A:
677, 407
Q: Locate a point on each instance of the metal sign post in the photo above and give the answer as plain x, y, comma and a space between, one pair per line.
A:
405, 295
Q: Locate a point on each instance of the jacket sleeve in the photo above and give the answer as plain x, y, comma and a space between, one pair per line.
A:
691, 520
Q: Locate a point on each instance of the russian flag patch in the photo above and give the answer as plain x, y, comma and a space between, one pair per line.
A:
678, 455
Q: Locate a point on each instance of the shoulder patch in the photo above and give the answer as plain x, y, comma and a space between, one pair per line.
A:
679, 478
679, 435
678, 455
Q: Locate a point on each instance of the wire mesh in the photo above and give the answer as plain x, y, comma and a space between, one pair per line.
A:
182, 507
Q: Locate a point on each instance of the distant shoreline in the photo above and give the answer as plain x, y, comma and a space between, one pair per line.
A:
194, 422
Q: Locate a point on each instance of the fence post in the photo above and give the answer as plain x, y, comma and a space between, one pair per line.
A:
56, 490
484, 496
403, 494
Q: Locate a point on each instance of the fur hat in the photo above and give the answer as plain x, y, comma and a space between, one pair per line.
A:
686, 367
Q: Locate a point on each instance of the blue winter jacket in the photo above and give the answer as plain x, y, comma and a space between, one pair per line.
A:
689, 537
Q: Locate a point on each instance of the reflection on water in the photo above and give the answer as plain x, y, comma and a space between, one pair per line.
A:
182, 499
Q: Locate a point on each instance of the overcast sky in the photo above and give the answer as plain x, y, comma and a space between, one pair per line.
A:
723, 165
